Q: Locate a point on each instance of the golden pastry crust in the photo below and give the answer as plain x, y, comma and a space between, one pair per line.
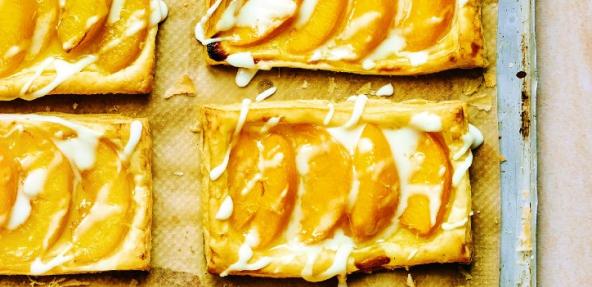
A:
400, 248
462, 47
32, 76
131, 143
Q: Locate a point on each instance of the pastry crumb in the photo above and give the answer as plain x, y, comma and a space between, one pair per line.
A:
74, 106
304, 85
465, 273
179, 173
183, 87
366, 89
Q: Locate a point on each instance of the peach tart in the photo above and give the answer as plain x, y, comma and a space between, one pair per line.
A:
75, 194
315, 189
77, 46
384, 37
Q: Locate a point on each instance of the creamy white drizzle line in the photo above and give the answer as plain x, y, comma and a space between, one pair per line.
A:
38, 71
245, 253
330, 114
100, 210
226, 209
199, 31
359, 106
265, 94
228, 19
272, 122
115, 11
306, 9
241, 60
217, 171
263, 15
454, 225
64, 70
386, 90
461, 168
427, 122
134, 139
39, 267
244, 76
159, 11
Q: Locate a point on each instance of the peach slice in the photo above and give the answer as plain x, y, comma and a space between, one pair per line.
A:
243, 183
17, 18
257, 20
102, 207
427, 22
120, 43
366, 27
81, 20
47, 19
262, 180
378, 193
8, 184
35, 151
325, 169
321, 25
434, 169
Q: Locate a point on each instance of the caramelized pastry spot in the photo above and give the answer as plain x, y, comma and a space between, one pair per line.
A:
216, 51
426, 23
372, 264
81, 20
378, 193
17, 20
423, 213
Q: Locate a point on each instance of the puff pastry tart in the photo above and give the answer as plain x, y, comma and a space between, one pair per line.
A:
315, 190
77, 46
75, 194
390, 37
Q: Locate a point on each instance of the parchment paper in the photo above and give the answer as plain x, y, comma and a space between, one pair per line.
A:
177, 240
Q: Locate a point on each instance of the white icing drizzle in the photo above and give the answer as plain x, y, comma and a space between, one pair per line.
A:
305, 12
39, 267
241, 60
477, 136
64, 70
417, 58
427, 122
245, 254
115, 11
263, 15
34, 182
135, 24
391, 45
265, 94
38, 71
359, 106
99, 211
461, 168
228, 19
244, 76
134, 139
217, 171
348, 137
159, 12
303, 156
272, 122
199, 30
20, 211
13, 51
386, 90
329, 115
454, 225
226, 208
354, 190
358, 24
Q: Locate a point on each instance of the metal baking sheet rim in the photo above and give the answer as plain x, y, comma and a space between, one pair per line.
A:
517, 100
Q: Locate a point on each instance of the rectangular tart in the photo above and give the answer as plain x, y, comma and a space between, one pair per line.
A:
383, 37
315, 189
77, 47
75, 194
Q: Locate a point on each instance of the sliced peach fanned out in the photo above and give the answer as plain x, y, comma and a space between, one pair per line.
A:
319, 26
101, 211
81, 20
17, 18
120, 43
47, 19
433, 174
262, 177
9, 174
259, 19
49, 202
378, 193
325, 169
426, 22
366, 26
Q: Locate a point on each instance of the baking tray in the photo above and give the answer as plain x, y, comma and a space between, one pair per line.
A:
517, 96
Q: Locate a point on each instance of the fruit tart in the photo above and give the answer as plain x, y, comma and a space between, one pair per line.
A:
315, 189
384, 37
77, 46
75, 194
